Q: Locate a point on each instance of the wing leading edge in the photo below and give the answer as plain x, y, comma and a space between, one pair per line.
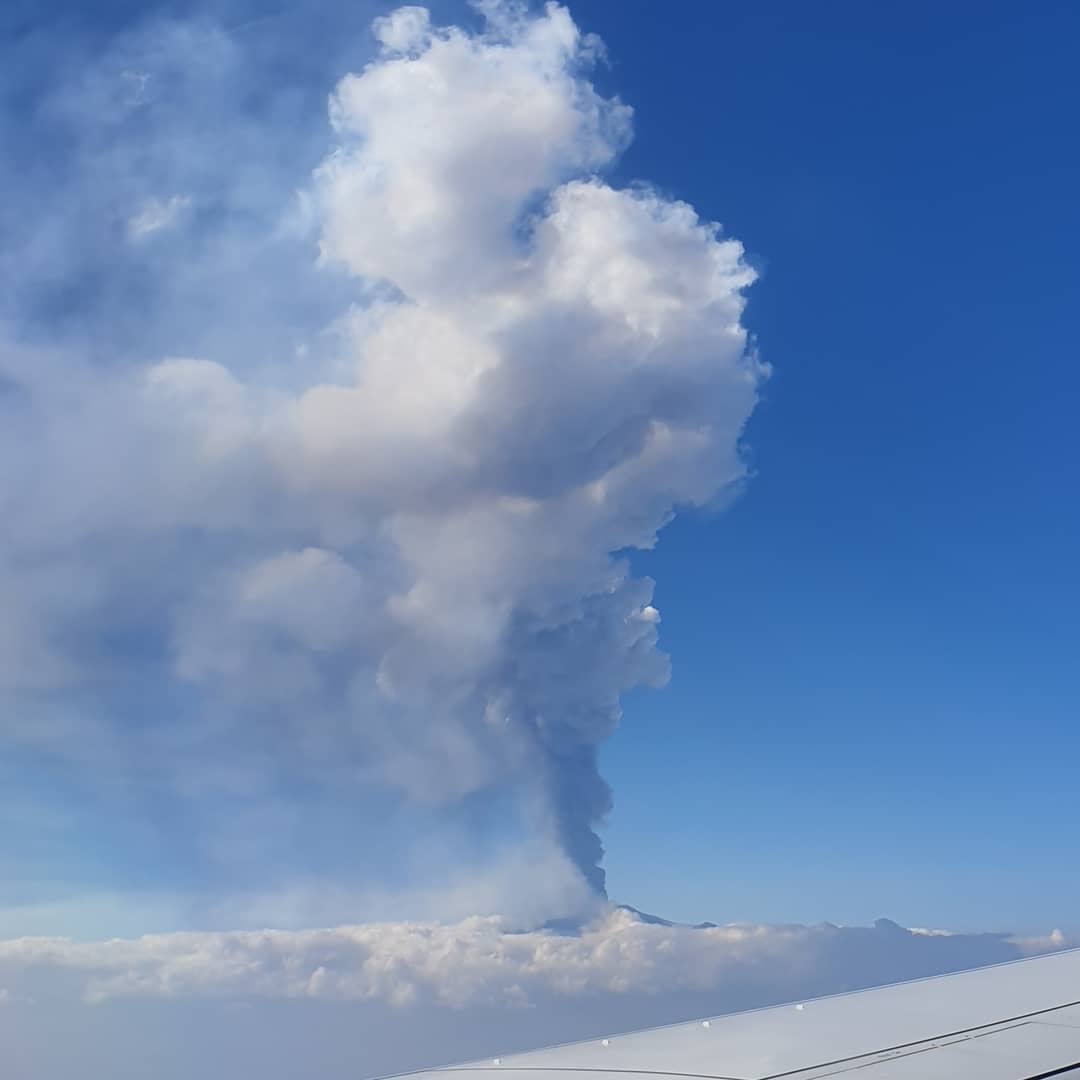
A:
1016, 1021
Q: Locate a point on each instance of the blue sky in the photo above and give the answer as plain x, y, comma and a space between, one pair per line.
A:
872, 703
873, 707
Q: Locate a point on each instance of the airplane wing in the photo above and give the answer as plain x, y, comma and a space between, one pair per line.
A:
1016, 1021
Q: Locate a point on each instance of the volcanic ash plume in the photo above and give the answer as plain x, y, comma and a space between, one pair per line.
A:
393, 565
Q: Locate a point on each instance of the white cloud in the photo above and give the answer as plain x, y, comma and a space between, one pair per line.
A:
406, 30
1056, 939
443, 151
156, 214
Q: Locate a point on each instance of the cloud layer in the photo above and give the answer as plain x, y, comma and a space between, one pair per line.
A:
484, 961
375, 562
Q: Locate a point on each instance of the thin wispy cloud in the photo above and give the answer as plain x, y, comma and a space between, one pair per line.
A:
157, 214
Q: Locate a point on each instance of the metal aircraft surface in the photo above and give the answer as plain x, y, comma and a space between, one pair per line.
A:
1015, 1021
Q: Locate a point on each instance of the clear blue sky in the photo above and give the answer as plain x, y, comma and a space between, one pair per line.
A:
875, 693
873, 709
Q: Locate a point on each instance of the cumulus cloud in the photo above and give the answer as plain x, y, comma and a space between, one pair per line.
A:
384, 564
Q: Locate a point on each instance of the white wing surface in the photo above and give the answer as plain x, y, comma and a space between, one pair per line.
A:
1017, 1021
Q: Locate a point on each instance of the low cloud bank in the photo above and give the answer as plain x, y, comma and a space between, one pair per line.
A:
485, 962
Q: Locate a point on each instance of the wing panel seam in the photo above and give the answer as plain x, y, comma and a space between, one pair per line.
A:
1074, 1067
587, 1069
930, 1038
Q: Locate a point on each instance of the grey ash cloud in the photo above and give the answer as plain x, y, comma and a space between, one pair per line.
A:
345, 531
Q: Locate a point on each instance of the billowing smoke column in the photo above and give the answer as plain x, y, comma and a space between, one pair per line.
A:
405, 570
